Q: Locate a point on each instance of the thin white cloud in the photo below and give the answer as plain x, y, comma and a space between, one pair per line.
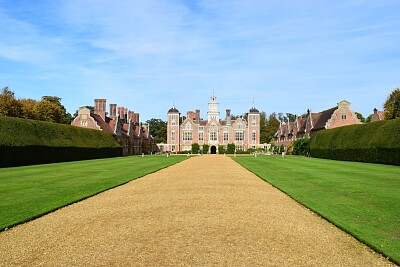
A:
139, 52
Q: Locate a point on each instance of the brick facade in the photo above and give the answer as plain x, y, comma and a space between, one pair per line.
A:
378, 115
214, 132
305, 126
123, 124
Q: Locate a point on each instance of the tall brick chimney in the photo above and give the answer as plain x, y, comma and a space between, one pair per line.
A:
136, 118
228, 117
126, 114
100, 108
131, 116
113, 111
197, 114
121, 114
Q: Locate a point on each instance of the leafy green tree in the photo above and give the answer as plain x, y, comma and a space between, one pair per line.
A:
205, 149
392, 105
67, 117
272, 126
9, 106
158, 129
230, 149
360, 116
49, 111
369, 118
301, 146
263, 128
195, 148
290, 117
29, 109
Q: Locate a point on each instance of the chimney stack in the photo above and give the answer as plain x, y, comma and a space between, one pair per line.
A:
113, 111
100, 108
228, 117
137, 118
121, 114
198, 114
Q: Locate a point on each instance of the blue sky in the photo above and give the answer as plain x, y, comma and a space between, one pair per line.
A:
286, 56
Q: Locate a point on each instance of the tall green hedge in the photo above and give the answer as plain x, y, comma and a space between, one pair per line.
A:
26, 142
375, 142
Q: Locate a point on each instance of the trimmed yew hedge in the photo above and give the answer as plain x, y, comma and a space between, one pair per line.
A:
27, 142
375, 142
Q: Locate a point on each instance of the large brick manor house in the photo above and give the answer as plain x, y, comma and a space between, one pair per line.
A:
214, 131
122, 123
306, 125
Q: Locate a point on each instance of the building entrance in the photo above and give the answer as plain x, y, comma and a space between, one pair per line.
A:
213, 150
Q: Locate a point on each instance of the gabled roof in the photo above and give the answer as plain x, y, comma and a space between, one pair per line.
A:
104, 125
320, 119
283, 129
301, 124
290, 127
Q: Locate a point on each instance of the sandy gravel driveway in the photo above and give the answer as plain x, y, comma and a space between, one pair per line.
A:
205, 211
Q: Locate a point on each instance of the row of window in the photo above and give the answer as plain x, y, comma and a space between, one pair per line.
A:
239, 136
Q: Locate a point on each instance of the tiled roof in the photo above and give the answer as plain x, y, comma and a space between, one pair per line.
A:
301, 121
103, 124
290, 126
283, 129
320, 119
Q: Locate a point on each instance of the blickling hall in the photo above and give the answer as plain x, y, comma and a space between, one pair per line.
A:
214, 131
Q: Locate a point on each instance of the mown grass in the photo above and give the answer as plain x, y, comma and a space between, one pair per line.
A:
361, 198
31, 191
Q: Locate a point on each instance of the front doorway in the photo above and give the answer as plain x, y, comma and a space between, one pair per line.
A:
213, 150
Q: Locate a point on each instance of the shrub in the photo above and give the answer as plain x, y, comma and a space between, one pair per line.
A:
230, 149
301, 146
375, 142
289, 148
205, 149
195, 148
26, 142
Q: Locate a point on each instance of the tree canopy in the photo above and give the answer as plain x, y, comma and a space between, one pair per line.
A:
49, 108
392, 105
158, 129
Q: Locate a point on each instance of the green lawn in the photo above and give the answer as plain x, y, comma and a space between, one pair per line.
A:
361, 198
31, 191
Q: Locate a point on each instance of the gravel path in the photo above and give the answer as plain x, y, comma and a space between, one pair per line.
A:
205, 211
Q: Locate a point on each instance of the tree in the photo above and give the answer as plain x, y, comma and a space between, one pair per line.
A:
195, 148
360, 116
301, 146
29, 109
263, 128
158, 130
205, 149
369, 118
272, 126
392, 105
9, 106
230, 149
49, 111
66, 118
290, 117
